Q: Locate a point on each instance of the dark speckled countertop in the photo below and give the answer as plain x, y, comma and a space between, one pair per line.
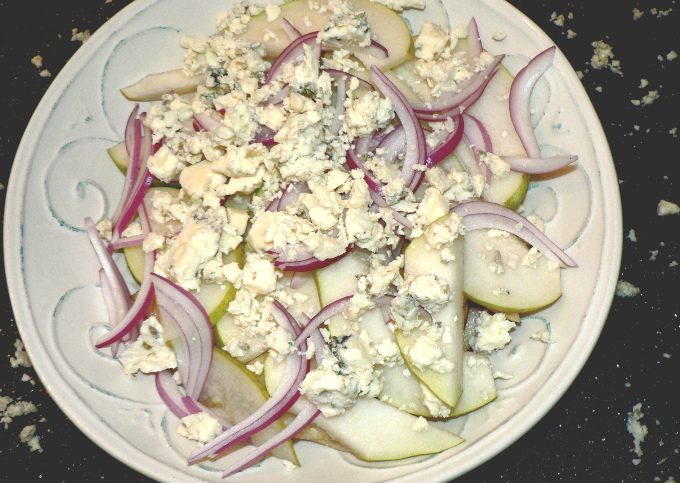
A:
584, 437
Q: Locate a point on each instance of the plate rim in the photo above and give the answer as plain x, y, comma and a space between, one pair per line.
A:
119, 447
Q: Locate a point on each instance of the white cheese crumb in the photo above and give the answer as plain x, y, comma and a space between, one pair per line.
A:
626, 289
637, 14
543, 335
672, 55
499, 35
420, 424
665, 208
37, 61
80, 36
637, 429
201, 427
631, 235
289, 465
20, 356
45, 73
29, 437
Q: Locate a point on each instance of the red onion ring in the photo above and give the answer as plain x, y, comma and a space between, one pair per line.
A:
528, 165
290, 29
449, 101
311, 263
448, 144
485, 214
415, 137
520, 97
334, 308
280, 401
304, 418
293, 52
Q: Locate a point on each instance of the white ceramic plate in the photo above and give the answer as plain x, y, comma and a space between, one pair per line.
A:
62, 174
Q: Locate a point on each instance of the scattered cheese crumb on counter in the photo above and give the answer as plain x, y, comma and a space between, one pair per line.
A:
665, 208
626, 289
636, 429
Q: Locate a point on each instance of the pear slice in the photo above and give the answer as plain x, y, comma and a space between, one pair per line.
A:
233, 392
120, 157
421, 259
373, 430
387, 28
479, 387
492, 109
153, 87
500, 275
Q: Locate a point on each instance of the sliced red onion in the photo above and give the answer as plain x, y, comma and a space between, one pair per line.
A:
393, 144
194, 321
340, 93
462, 107
416, 151
114, 308
292, 53
138, 309
520, 97
310, 264
474, 41
484, 214
170, 394
479, 140
290, 29
330, 310
452, 100
472, 168
205, 122
133, 142
339, 74
398, 217
376, 49
448, 144
280, 401
354, 161
304, 418
528, 165
128, 241
180, 336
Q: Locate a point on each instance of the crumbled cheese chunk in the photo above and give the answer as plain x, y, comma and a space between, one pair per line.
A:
486, 333
626, 289
201, 427
636, 429
665, 208
150, 352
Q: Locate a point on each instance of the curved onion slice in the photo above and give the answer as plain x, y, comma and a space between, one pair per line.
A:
393, 144
415, 137
340, 94
528, 165
448, 144
116, 306
136, 312
170, 394
452, 100
304, 418
293, 52
290, 29
479, 140
195, 323
280, 401
520, 97
311, 263
474, 41
334, 308
485, 214
398, 217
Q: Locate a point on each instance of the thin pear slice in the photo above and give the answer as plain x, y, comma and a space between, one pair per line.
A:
479, 387
153, 87
233, 392
492, 109
387, 28
373, 430
501, 275
421, 259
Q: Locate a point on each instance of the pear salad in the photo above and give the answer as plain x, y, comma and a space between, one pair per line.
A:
320, 211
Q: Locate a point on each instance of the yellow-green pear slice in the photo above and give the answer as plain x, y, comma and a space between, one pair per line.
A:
373, 430
421, 259
501, 274
153, 87
492, 109
387, 28
234, 393
479, 387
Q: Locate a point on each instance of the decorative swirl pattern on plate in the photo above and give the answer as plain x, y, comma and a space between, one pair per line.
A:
74, 346
74, 183
124, 60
